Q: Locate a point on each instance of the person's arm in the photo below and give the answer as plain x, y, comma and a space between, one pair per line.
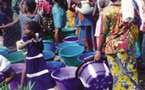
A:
21, 44
99, 43
100, 30
10, 24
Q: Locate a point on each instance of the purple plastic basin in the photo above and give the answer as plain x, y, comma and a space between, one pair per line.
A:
66, 80
86, 56
71, 39
95, 75
18, 68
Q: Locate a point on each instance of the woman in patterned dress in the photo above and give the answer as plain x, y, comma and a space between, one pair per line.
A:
117, 39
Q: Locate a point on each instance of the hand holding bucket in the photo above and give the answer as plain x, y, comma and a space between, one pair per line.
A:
94, 75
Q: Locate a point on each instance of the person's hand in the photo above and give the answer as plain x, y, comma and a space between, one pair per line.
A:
97, 55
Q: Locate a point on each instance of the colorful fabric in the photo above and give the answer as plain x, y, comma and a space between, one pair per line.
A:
120, 38
120, 80
58, 16
70, 19
44, 6
117, 31
83, 20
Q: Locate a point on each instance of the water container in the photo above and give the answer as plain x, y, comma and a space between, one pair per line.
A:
66, 44
48, 45
70, 54
66, 80
71, 39
95, 75
86, 56
48, 55
53, 65
16, 57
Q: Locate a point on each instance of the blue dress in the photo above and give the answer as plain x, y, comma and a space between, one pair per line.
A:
36, 68
58, 16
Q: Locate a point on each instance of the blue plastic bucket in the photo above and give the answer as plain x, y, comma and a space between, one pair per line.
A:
53, 65
66, 80
66, 44
48, 45
48, 55
86, 56
70, 54
16, 57
71, 39
4, 51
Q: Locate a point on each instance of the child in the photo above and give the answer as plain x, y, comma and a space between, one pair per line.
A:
6, 72
36, 67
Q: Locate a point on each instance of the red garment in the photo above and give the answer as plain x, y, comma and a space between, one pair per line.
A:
44, 6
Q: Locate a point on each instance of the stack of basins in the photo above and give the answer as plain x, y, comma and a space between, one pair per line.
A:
48, 50
81, 70
69, 50
48, 53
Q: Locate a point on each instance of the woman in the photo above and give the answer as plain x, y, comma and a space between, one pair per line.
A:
85, 24
117, 39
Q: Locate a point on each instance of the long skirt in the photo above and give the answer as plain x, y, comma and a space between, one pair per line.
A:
38, 75
127, 60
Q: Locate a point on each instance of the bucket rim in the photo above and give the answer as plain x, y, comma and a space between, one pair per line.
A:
92, 53
47, 41
60, 79
60, 46
81, 50
73, 36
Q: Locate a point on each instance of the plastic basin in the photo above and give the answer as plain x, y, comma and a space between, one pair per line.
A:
86, 56
16, 57
53, 65
71, 39
70, 54
66, 80
48, 55
66, 44
48, 45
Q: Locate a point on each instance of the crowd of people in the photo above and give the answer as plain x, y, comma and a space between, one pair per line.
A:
113, 27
